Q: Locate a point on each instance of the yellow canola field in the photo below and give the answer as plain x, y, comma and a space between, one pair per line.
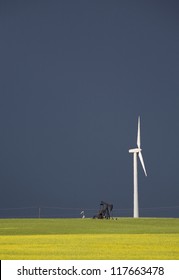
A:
90, 246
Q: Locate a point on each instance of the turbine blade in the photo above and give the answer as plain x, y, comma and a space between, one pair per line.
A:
138, 134
142, 162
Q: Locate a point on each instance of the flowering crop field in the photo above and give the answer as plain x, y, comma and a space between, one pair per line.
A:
89, 239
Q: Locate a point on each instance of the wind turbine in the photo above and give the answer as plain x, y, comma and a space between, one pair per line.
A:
137, 152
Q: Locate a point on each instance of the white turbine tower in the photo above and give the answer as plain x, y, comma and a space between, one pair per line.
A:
137, 152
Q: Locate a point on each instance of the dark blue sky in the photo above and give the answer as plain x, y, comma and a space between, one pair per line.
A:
74, 76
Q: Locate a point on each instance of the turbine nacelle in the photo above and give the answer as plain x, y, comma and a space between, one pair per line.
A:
136, 150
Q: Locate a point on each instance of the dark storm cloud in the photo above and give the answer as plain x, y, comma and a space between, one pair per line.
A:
75, 75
